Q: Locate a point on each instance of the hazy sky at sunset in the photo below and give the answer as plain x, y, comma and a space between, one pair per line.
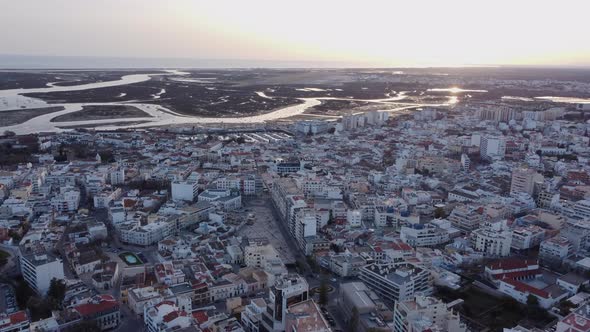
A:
371, 33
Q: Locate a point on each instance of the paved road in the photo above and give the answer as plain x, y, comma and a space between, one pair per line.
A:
130, 321
12, 266
68, 271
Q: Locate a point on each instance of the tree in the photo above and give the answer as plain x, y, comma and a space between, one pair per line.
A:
533, 310
565, 307
22, 292
106, 156
331, 218
39, 308
354, 320
439, 212
311, 261
335, 248
56, 293
323, 292
532, 301
300, 265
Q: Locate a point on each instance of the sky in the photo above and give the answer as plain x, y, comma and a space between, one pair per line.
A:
371, 33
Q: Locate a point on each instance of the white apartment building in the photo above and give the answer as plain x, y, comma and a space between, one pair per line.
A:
523, 180
359, 120
287, 291
312, 127
466, 218
227, 199
246, 185
354, 218
577, 231
527, 237
68, 200
582, 209
310, 185
98, 230
425, 314
555, 250
344, 264
103, 199
256, 255
222, 289
465, 162
493, 239
116, 176
166, 316
94, 183
397, 281
492, 147
252, 315
138, 298
146, 235
305, 228
185, 190
39, 269
265, 257
424, 235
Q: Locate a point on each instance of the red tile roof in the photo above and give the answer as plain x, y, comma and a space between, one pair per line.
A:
105, 304
577, 321
173, 315
18, 317
200, 316
512, 264
525, 288
518, 274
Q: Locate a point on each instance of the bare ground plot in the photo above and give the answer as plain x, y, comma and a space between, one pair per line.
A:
101, 112
14, 117
265, 226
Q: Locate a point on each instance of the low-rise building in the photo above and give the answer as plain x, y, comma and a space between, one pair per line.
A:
344, 265
493, 239
576, 321
101, 309
374, 314
527, 237
14, 322
252, 315
554, 250
425, 314
166, 316
427, 235
306, 316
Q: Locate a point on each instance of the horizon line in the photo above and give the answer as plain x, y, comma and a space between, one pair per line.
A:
19, 62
